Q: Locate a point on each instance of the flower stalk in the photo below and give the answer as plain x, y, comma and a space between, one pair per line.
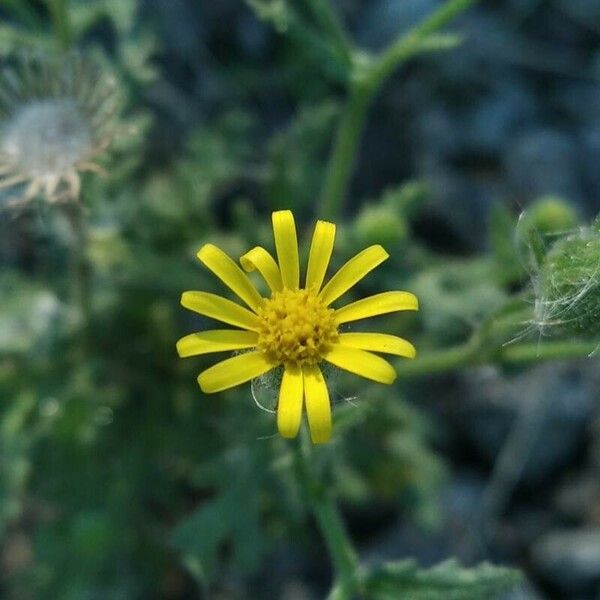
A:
326, 512
79, 269
470, 355
367, 77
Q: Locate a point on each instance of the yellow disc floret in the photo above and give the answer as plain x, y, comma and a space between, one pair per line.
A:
296, 327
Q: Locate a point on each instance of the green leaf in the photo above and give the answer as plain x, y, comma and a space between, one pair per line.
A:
325, 53
446, 581
232, 516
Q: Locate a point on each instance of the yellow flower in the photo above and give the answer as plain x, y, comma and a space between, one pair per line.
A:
296, 326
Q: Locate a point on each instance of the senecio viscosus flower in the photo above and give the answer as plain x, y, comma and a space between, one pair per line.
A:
56, 120
295, 327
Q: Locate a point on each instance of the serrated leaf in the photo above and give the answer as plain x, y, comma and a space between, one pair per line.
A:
446, 581
232, 515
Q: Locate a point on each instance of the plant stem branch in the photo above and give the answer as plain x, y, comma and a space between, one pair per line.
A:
369, 74
470, 354
331, 525
343, 156
407, 46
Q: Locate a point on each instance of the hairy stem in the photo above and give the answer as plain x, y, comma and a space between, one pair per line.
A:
330, 523
369, 74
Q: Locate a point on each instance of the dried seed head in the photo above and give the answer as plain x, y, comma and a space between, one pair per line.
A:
57, 118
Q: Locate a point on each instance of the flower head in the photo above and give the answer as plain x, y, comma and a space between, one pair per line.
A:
56, 119
296, 327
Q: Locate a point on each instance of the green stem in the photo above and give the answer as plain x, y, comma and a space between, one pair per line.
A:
59, 11
366, 81
343, 155
470, 354
330, 523
410, 44
79, 273
527, 353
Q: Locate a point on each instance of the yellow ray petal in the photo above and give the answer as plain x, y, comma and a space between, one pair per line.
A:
321, 248
352, 272
378, 342
215, 340
234, 371
379, 304
318, 407
289, 408
221, 309
230, 274
286, 243
260, 260
361, 363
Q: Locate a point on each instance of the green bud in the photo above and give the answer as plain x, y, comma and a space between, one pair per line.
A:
569, 284
549, 215
380, 224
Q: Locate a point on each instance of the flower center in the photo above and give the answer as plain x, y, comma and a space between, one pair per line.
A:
296, 327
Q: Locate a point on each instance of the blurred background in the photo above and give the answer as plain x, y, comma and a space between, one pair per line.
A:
120, 479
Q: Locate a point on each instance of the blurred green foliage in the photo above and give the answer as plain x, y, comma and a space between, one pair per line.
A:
118, 478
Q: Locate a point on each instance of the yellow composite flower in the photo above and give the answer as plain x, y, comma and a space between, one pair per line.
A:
295, 327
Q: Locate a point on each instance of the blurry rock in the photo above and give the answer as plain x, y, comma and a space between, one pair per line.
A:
486, 56
595, 449
584, 9
570, 560
462, 199
544, 161
494, 120
564, 396
458, 502
522, 7
579, 499
525, 592
579, 100
440, 133
252, 35
590, 140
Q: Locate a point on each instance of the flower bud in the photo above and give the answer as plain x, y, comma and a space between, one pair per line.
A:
380, 224
569, 284
549, 215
